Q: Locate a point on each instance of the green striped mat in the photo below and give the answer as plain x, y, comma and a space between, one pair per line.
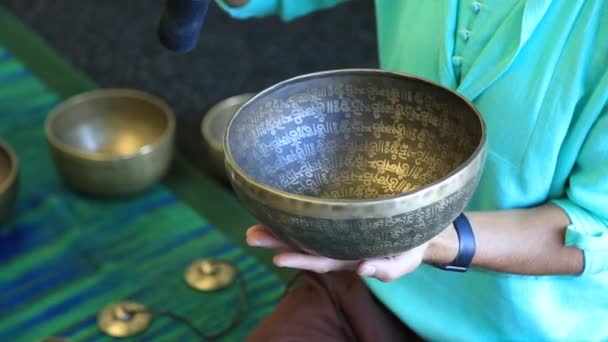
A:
63, 257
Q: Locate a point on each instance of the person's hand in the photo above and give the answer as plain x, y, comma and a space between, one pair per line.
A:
384, 269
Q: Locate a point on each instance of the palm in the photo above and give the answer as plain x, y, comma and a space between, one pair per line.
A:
385, 269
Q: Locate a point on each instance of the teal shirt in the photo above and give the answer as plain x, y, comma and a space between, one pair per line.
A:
538, 72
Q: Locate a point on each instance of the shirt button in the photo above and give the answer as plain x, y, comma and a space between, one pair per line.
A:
476, 6
457, 60
464, 34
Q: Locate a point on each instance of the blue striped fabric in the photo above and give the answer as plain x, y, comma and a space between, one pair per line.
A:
63, 257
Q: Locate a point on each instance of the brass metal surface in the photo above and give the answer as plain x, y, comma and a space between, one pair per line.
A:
355, 164
210, 275
123, 319
9, 181
213, 127
111, 141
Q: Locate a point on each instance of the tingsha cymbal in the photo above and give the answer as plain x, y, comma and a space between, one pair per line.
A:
210, 275
124, 319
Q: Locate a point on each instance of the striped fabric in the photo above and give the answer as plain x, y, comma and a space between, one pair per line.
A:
63, 257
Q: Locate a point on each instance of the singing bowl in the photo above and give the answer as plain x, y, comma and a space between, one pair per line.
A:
9, 181
357, 163
213, 127
111, 142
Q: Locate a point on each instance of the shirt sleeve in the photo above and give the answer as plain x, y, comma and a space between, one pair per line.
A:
586, 202
286, 9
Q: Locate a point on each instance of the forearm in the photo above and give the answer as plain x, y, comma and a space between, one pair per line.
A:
524, 241
285, 9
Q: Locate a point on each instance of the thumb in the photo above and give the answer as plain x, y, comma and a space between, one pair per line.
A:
391, 268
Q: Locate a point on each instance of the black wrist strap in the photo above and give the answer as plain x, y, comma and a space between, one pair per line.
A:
466, 246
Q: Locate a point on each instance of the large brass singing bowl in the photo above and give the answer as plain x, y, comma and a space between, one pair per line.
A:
111, 142
355, 164
9, 181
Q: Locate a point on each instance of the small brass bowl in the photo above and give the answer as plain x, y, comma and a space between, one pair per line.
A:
9, 181
111, 142
355, 164
213, 127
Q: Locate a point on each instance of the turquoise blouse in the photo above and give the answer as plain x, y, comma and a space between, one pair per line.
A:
538, 72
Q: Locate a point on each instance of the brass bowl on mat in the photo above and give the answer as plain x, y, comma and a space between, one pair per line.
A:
355, 164
9, 181
111, 142
213, 127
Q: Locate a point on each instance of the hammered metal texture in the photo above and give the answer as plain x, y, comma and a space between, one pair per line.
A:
355, 164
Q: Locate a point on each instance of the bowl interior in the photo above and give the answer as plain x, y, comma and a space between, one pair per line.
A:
6, 167
218, 123
354, 135
216, 120
110, 125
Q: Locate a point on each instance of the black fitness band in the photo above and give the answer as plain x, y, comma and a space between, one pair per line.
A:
466, 246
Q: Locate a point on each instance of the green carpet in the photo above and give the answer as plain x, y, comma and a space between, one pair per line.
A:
65, 256
207, 198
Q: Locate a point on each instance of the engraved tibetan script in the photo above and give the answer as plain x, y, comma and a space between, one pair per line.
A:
352, 140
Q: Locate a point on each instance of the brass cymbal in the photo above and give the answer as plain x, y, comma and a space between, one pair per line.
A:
210, 275
124, 319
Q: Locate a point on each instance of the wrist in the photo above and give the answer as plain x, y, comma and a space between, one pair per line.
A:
443, 248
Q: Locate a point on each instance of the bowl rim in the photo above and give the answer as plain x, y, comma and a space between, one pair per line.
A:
106, 93
14, 167
214, 111
229, 159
